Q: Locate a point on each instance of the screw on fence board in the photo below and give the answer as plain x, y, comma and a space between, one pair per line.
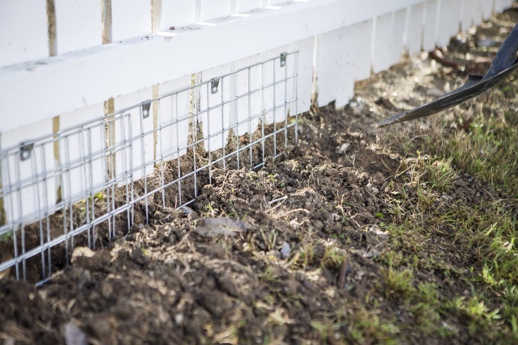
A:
25, 150
214, 83
283, 59
145, 106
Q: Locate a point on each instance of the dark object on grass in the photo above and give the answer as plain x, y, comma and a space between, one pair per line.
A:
504, 63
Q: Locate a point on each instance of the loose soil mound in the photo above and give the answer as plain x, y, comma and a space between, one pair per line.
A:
313, 257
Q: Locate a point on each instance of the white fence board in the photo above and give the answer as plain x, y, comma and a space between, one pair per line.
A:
23, 33
501, 5
212, 9
381, 44
248, 5
177, 13
467, 10
431, 22
29, 201
415, 29
350, 35
139, 151
449, 21
335, 76
276, 2
173, 137
215, 120
90, 77
487, 8
248, 83
130, 19
275, 89
82, 154
397, 39
79, 25
305, 72
344, 56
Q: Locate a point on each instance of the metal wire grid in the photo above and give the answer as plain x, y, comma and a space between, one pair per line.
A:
82, 185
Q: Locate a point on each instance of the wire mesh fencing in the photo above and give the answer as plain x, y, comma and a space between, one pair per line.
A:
91, 183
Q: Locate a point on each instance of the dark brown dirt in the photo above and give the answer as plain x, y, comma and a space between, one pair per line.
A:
308, 258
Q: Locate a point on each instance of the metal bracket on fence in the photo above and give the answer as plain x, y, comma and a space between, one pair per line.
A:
283, 59
25, 150
145, 106
214, 83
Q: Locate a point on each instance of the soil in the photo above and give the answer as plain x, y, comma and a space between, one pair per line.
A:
299, 243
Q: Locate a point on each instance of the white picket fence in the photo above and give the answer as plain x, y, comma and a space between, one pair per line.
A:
68, 62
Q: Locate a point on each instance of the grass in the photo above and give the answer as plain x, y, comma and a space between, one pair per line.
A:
471, 243
449, 269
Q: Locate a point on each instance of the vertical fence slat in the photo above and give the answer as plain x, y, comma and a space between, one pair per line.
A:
398, 32
172, 111
214, 120
477, 12
177, 13
415, 29
487, 8
248, 80
382, 42
139, 151
344, 56
212, 9
23, 27
501, 5
130, 19
85, 147
38, 197
78, 25
305, 70
468, 8
431, 21
448, 22
248, 5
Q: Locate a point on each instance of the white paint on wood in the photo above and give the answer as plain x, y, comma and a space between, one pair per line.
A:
344, 56
78, 24
81, 153
23, 32
29, 201
358, 38
397, 38
277, 2
177, 13
415, 29
467, 10
248, 82
65, 83
487, 9
501, 5
212, 9
248, 5
215, 120
173, 119
477, 11
449, 21
135, 133
278, 91
381, 44
431, 23
305, 73
130, 19
334, 76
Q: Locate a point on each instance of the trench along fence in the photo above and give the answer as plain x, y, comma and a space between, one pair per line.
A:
109, 110
159, 152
